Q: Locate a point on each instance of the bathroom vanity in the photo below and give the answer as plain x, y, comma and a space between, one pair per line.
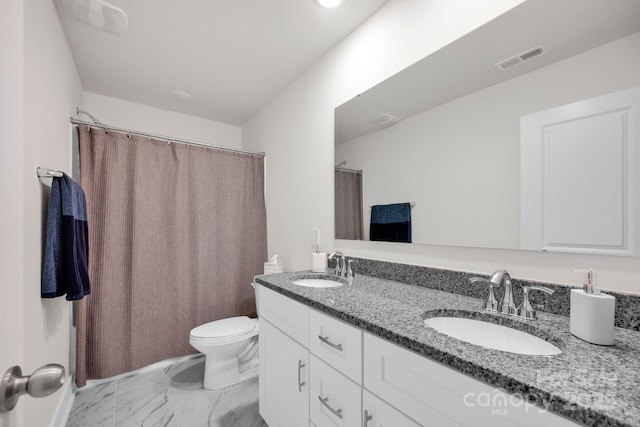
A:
361, 355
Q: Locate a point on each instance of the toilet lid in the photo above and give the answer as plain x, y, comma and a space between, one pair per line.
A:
225, 328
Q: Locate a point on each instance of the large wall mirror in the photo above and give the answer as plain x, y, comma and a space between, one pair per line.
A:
445, 133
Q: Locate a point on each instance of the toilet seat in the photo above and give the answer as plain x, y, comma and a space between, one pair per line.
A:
225, 331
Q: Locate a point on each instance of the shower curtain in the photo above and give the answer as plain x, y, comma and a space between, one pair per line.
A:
176, 234
348, 205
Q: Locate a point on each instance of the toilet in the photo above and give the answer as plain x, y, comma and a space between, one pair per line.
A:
230, 347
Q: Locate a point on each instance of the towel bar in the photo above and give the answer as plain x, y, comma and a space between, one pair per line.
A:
47, 173
413, 205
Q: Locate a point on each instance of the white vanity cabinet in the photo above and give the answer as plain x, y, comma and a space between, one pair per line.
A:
319, 371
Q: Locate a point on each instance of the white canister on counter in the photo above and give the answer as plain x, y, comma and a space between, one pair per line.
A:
273, 266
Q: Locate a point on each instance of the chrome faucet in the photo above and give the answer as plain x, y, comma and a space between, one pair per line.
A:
507, 304
341, 263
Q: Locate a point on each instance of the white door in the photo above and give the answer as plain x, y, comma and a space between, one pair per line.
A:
10, 336
579, 173
284, 379
11, 201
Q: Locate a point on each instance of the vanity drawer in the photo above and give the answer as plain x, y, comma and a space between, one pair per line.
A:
290, 316
379, 413
334, 400
435, 395
337, 343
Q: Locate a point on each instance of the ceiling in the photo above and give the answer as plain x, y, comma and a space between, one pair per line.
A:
565, 28
232, 56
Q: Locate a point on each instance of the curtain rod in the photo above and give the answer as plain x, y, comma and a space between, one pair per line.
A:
340, 168
165, 138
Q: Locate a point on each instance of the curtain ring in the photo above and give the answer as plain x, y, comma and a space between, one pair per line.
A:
129, 135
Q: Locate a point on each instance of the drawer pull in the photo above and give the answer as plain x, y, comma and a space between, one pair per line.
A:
329, 343
367, 418
336, 412
300, 382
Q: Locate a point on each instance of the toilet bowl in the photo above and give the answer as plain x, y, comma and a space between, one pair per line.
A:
230, 347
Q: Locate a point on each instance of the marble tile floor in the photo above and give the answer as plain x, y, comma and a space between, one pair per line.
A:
166, 397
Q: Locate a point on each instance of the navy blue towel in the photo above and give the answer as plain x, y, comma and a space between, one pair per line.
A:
391, 223
66, 255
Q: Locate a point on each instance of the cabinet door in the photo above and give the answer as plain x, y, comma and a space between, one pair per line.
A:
377, 413
284, 369
334, 399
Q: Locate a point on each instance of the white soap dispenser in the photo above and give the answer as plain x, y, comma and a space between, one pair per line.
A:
318, 259
592, 312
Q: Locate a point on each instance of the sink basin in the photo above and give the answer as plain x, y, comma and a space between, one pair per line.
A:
493, 336
318, 281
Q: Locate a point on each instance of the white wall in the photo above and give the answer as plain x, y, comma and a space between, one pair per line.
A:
460, 162
296, 132
11, 123
130, 115
52, 90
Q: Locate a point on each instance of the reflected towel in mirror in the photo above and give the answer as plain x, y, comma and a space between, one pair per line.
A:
391, 223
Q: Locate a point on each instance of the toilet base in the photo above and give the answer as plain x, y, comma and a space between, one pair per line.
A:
224, 369
221, 374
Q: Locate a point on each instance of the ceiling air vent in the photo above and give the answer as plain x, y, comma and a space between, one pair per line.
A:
385, 120
525, 56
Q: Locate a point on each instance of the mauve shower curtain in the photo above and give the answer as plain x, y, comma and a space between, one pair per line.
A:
176, 234
348, 205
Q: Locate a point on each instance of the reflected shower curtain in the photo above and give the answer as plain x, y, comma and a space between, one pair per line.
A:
176, 234
348, 205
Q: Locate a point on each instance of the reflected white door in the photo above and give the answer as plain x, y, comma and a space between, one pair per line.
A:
579, 172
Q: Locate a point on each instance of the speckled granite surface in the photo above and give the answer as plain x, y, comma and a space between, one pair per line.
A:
627, 306
594, 385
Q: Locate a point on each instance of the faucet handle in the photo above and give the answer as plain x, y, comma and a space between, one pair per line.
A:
490, 303
350, 273
340, 267
525, 310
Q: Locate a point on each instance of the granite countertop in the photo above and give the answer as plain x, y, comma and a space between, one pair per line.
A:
592, 384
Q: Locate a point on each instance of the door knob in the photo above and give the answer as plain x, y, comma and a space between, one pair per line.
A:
43, 382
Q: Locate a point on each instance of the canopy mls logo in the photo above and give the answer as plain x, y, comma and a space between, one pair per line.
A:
588, 389
500, 401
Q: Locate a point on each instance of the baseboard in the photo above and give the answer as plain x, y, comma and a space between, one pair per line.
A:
65, 403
